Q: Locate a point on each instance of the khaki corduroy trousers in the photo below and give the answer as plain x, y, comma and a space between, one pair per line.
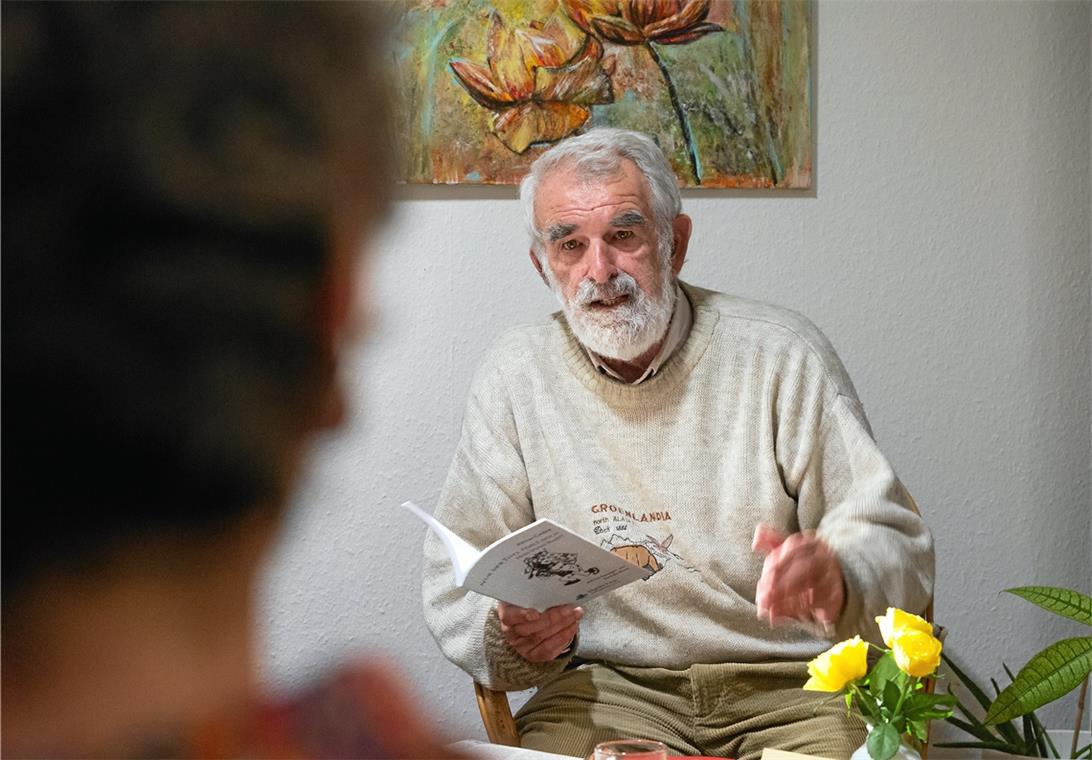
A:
714, 710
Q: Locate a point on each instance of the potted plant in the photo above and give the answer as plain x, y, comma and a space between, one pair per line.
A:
892, 697
1049, 675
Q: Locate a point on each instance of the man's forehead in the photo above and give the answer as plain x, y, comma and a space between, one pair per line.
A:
566, 192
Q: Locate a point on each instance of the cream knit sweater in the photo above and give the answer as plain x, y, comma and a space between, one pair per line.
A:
752, 420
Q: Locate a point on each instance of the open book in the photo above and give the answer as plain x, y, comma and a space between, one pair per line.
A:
539, 565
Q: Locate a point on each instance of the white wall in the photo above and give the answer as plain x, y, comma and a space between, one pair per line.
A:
945, 249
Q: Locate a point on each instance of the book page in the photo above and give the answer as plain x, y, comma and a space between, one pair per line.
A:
462, 554
544, 564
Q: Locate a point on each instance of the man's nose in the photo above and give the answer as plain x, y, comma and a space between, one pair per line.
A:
601, 267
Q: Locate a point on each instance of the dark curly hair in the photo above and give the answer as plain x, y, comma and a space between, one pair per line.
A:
169, 171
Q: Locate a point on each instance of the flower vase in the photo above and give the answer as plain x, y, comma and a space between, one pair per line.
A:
905, 751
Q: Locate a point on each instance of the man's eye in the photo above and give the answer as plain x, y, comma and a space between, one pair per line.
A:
570, 245
623, 234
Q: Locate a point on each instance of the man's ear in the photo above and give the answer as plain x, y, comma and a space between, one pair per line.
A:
680, 232
538, 265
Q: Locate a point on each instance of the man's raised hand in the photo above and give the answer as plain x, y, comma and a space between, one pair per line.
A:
801, 578
539, 636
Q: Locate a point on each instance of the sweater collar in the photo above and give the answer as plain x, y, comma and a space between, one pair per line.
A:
677, 330
676, 366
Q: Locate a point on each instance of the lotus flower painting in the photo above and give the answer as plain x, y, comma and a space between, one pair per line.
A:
724, 86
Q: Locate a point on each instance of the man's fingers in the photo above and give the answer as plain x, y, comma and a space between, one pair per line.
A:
510, 614
542, 637
528, 620
540, 634
553, 645
766, 539
800, 562
778, 550
547, 621
804, 582
809, 605
801, 580
794, 576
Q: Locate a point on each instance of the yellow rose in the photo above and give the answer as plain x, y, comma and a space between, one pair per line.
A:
896, 621
839, 665
916, 653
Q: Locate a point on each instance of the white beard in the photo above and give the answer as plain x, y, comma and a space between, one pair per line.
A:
623, 332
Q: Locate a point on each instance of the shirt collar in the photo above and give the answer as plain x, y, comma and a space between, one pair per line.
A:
677, 331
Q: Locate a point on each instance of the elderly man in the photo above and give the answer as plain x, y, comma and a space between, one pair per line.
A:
716, 440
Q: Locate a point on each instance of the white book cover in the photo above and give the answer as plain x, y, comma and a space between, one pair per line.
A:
540, 565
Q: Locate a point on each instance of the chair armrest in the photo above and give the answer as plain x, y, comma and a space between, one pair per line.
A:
496, 714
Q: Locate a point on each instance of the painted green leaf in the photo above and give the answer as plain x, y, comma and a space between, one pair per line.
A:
1051, 674
1061, 601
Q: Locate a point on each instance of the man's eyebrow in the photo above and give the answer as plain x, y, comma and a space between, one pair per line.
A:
628, 219
557, 231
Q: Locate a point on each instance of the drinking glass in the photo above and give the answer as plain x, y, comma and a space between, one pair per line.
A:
631, 749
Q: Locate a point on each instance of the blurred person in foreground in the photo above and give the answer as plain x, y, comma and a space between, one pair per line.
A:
186, 191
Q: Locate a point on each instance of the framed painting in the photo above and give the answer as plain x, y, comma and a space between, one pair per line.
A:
724, 86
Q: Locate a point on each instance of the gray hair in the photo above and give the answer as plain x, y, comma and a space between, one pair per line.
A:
599, 153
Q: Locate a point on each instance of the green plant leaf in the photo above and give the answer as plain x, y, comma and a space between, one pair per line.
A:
866, 703
1051, 674
883, 672
891, 694
924, 698
1006, 729
1061, 601
922, 707
977, 731
975, 689
1036, 748
999, 746
1044, 734
917, 729
970, 716
883, 742
1031, 746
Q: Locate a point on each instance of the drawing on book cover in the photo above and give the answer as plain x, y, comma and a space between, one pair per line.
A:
563, 565
652, 554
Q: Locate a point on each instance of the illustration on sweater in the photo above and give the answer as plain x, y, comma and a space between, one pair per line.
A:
543, 564
616, 526
639, 555
649, 552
